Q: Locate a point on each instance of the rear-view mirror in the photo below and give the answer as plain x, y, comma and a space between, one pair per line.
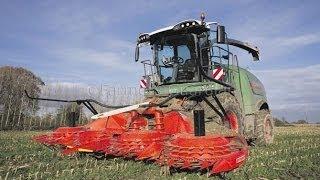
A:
136, 56
221, 34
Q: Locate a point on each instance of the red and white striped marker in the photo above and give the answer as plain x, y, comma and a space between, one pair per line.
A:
218, 73
143, 83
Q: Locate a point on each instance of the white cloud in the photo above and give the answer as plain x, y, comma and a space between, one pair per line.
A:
276, 31
300, 40
81, 55
114, 55
273, 47
292, 90
75, 20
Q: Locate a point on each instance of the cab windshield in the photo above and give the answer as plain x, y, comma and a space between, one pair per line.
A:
175, 59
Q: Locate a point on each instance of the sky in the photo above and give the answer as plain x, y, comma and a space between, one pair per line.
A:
93, 42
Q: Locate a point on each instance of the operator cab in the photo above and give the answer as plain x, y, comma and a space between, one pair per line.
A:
175, 58
187, 52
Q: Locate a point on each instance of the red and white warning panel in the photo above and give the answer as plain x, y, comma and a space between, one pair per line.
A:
218, 73
144, 83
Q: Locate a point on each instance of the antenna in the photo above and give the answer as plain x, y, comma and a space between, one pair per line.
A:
202, 17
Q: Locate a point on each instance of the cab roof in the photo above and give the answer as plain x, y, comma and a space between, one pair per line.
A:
188, 26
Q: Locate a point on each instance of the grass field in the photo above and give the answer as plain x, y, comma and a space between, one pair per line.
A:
295, 154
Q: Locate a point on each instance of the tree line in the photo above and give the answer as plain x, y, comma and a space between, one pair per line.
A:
283, 122
18, 112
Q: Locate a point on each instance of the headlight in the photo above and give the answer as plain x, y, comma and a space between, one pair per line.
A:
143, 38
185, 25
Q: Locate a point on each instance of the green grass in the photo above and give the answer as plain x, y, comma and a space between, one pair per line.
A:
295, 154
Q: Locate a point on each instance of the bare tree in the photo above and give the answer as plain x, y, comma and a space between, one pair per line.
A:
15, 105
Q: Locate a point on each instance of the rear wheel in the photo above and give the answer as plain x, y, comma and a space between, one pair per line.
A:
264, 128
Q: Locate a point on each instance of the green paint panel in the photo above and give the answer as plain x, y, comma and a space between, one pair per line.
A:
249, 90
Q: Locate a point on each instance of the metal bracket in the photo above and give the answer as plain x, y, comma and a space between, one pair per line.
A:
86, 102
212, 107
221, 115
220, 105
199, 124
246, 46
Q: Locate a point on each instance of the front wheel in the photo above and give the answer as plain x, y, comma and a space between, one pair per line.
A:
264, 128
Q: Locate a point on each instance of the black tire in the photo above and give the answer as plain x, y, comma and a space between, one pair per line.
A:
264, 128
230, 104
